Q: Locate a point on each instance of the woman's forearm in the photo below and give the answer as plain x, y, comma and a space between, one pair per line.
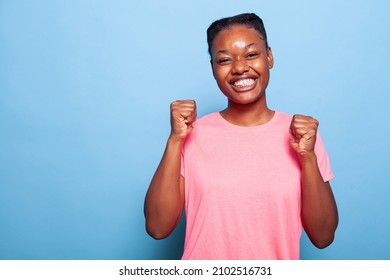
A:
165, 197
319, 210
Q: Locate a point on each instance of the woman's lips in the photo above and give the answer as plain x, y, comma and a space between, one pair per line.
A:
244, 84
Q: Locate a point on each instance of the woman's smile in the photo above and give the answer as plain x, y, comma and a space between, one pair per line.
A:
244, 84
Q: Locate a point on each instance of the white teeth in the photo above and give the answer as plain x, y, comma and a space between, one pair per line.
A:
244, 83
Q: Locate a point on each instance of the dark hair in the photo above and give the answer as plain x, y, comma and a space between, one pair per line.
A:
250, 20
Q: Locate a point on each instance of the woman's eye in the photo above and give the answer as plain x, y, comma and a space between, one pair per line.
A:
252, 55
223, 61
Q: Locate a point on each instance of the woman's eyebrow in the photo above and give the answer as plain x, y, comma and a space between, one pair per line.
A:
246, 47
249, 46
223, 51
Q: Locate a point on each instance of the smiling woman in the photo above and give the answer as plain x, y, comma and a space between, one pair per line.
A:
248, 177
241, 62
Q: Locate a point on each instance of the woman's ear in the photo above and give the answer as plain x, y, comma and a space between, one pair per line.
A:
270, 58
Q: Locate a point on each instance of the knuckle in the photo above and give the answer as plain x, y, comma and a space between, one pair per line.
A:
174, 104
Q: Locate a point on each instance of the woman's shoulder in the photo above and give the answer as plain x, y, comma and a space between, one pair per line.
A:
283, 117
209, 119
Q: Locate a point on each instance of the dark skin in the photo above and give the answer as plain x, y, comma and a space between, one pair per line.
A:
241, 63
164, 200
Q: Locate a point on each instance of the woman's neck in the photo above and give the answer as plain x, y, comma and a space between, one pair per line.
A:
247, 115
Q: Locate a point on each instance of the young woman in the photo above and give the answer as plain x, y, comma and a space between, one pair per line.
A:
249, 177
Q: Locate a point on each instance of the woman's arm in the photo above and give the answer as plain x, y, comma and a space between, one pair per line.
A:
164, 199
319, 210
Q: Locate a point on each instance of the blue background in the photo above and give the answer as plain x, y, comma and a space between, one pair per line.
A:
85, 88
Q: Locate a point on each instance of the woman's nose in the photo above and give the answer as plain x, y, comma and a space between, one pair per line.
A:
239, 66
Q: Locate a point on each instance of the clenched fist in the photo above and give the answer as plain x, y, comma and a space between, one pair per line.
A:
183, 116
303, 130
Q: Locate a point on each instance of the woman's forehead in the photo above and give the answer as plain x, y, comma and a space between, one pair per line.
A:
239, 36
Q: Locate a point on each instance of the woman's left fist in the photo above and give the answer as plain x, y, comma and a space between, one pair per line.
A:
303, 130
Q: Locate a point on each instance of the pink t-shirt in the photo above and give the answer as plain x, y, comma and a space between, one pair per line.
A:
243, 191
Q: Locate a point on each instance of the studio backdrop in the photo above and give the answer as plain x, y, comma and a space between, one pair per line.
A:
85, 88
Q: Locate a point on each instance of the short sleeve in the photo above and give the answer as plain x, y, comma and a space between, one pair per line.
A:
323, 160
182, 163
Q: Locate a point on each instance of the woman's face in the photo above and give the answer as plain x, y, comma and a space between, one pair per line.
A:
241, 63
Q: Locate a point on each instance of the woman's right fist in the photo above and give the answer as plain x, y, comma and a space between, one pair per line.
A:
183, 116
